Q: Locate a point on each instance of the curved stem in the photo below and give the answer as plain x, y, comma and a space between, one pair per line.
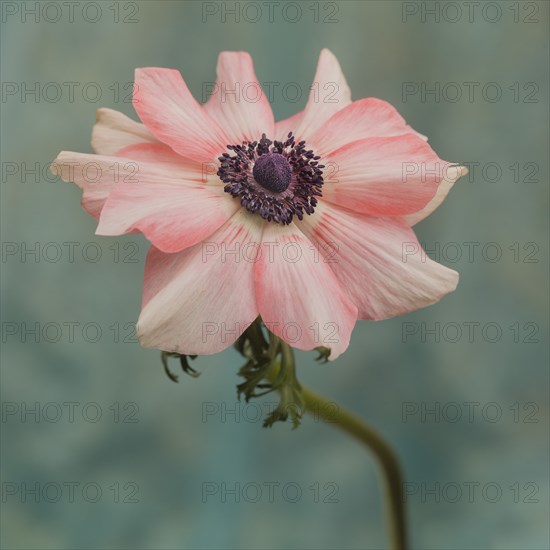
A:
345, 420
387, 459
393, 480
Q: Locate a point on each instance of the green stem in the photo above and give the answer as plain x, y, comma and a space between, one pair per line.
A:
257, 340
393, 481
345, 420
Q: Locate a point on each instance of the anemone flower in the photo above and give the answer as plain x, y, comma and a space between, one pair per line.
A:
305, 222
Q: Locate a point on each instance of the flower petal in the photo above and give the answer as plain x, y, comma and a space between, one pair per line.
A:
329, 93
378, 261
94, 174
283, 127
199, 301
365, 118
452, 174
238, 102
165, 105
299, 297
97, 175
113, 131
172, 217
389, 176
166, 159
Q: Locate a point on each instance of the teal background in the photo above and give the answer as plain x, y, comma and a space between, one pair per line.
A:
172, 449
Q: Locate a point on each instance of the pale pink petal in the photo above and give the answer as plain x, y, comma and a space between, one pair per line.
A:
451, 176
199, 301
165, 105
329, 93
378, 261
172, 217
238, 103
166, 159
299, 297
365, 118
283, 127
96, 175
383, 176
113, 131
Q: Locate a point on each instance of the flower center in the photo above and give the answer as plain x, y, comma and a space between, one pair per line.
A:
275, 179
272, 171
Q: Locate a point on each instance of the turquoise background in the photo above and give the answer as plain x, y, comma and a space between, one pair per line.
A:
173, 449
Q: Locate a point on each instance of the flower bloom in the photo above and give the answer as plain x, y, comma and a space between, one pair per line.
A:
306, 221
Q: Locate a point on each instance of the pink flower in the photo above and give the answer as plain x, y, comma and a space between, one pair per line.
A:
306, 221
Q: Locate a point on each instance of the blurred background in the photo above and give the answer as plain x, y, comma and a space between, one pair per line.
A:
101, 450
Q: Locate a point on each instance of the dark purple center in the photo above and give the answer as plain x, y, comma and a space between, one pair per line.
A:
275, 179
273, 172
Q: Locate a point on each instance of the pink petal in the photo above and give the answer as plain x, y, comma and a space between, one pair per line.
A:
95, 175
451, 176
299, 297
283, 127
113, 131
383, 176
366, 118
166, 159
378, 261
238, 103
329, 93
200, 301
165, 105
172, 217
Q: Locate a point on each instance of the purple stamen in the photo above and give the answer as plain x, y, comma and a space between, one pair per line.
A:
278, 180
